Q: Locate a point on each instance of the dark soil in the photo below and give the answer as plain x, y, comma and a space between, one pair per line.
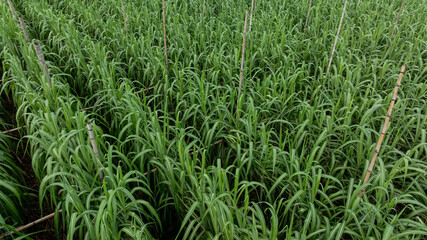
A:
31, 210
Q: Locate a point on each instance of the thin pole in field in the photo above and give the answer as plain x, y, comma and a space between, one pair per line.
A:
24, 28
242, 62
164, 37
42, 62
308, 15
124, 15
12, 9
395, 25
13, 130
384, 129
204, 6
250, 19
336, 38
95, 149
29, 225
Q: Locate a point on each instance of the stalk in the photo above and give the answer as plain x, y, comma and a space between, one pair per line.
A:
12, 9
95, 149
250, 19
336, 38
124, 15
384, 129
29, 225
42, 62
395, 24
308, 15
164, 37
204, 6
213, 144
242, 62
24, 28
13, 130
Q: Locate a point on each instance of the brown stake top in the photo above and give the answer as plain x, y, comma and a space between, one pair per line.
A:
24, 28
308, 15
29, 225
12, 9
243, 61
95, 149
383, 131
42, 62
336, 37
124, 15
164, 37
395, 24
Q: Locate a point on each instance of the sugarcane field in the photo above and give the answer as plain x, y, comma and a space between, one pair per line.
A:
202, 119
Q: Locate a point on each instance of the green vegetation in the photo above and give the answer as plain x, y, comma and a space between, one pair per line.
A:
176, 161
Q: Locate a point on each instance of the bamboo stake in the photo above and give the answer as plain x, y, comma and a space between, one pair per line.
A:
13, 130
308, 15
124, 15
204, 6
336, 38
213, 144
164, 37
147, 89
24, 28
250, 19
395, 24
12, 9
146, 173
242, 62
383, 131
42, 62
95, 149
29, 225
90, 108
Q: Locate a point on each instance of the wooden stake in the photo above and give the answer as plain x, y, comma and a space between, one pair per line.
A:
383, 131
42, 62
12, 9
95, 149
146, 173
13, 130
90, 108
395, 24
336, 38
24, 28
29, 225
204, 6
144, 90
308, 15
213, 144
164, 37
124, 15
250, 19
242, 62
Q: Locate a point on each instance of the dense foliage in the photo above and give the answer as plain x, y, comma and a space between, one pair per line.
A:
289, 166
